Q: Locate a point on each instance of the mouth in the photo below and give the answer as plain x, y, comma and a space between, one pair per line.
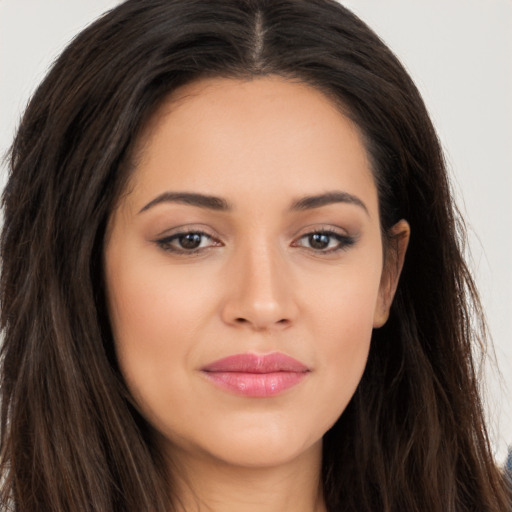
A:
254, 375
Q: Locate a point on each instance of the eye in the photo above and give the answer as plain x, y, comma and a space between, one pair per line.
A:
187, 242
325, 241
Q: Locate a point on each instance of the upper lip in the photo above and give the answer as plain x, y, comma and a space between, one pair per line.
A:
257, 363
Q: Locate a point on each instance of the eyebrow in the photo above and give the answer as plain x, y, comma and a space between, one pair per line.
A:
219, 204
200, 200
317, 201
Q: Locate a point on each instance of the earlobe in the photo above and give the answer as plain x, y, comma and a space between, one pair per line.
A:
398, 241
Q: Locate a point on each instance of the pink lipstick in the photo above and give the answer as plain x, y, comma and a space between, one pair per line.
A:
256, 375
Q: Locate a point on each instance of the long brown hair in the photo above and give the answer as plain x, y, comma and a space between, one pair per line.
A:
412, 438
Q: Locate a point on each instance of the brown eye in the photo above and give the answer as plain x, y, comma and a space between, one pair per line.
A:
319, 240
325, 241
187, 242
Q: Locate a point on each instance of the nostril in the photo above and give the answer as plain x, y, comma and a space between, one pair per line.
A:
240, 320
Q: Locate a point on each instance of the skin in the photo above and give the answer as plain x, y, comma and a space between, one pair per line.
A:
256, 285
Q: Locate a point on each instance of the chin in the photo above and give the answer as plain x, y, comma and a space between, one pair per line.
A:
263, 452
262, 442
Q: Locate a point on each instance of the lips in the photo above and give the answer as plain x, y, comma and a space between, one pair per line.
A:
256, 375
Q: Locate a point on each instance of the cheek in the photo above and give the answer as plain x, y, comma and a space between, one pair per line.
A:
153, 303
342, 302
156, 314
342, 324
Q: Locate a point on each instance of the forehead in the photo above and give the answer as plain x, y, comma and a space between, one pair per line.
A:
223, 134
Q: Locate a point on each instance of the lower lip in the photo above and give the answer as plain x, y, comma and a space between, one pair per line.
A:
256, 384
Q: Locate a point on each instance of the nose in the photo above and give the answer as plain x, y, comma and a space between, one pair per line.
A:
260, 294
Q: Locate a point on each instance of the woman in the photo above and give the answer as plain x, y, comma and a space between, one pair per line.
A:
232, 276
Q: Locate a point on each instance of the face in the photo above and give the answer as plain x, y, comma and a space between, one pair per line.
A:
244, 269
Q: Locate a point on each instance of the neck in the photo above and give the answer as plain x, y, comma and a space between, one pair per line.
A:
204, 484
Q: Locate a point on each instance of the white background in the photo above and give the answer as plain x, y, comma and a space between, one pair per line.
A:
459, 52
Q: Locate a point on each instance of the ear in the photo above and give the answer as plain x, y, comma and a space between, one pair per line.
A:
398, 239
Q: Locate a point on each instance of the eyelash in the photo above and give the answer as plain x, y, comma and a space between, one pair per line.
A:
344, 242
165, 243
